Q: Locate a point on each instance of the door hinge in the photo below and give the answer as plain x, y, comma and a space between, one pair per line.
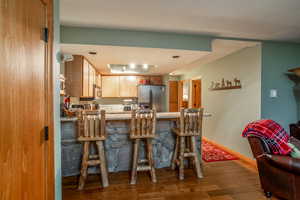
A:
46, 133
46, 35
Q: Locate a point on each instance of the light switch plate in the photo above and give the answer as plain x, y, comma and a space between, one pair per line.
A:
273, 93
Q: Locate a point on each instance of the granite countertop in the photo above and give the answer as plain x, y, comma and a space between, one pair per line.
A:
127, 116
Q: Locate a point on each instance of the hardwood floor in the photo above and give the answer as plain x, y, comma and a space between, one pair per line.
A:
229, 180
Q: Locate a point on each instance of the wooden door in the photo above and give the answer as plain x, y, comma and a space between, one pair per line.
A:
128, 86
110, 86
196, 93
173, 96
180, 94
23, 96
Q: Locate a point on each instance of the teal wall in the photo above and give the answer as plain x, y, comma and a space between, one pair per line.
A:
277, 58
56, 96
98, 36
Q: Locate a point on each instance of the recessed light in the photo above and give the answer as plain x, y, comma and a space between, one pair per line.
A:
132, 66
92, 52
145, 66
175, 57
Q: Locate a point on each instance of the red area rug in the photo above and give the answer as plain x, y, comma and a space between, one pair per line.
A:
212, 153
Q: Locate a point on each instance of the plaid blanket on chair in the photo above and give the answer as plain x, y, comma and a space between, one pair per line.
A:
272, 133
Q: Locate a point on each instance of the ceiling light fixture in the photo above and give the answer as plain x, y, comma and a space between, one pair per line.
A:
145, 66
132, 66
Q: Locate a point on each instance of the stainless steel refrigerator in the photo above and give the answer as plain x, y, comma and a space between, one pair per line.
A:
151, 96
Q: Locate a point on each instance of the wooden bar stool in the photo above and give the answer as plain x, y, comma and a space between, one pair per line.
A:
91, 131
190, 128
143, 125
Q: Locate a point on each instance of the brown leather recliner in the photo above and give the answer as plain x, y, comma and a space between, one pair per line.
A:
279, 175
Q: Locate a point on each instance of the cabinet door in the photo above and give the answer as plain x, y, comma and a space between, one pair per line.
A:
156, 80
91, 80
110, 86
85, 86
128, 86
98, 82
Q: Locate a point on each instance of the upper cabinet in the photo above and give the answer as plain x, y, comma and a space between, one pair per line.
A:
98, 80
156, 80
110, 86
125, 86
80, 77
92, 80
128, 86
85, 76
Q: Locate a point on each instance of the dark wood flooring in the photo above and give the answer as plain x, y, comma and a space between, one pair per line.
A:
228, 180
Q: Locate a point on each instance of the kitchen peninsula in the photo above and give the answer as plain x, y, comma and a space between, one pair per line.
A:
118, 145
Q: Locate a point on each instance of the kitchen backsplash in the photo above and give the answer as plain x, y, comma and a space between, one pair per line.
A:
103, 101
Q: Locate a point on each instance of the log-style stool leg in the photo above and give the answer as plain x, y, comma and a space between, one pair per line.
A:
103, 169
196, 158
181, 157
135, 161
175, 154
84, 165
150, 160
188, 149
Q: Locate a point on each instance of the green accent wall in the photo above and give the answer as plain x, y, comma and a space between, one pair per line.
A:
113, 37
277, 58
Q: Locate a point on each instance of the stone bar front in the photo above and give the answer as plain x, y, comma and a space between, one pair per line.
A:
118, 145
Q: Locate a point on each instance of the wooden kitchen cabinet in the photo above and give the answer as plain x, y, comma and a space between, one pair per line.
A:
92, 77
110, 86
156, 80
124, 86
128, 86
80, 77
85, 87
98, 80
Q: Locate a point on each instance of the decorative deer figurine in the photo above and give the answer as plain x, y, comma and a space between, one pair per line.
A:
228, 83
212, 85
237, 82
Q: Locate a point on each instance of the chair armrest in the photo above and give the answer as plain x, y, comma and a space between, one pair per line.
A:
284, 162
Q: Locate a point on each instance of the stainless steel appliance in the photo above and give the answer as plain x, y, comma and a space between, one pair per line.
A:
150, 96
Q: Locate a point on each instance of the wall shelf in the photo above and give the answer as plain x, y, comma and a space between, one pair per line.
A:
227, 88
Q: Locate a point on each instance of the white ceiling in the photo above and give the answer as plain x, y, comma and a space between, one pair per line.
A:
153, 56
126, 55
255, 19
220, 49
